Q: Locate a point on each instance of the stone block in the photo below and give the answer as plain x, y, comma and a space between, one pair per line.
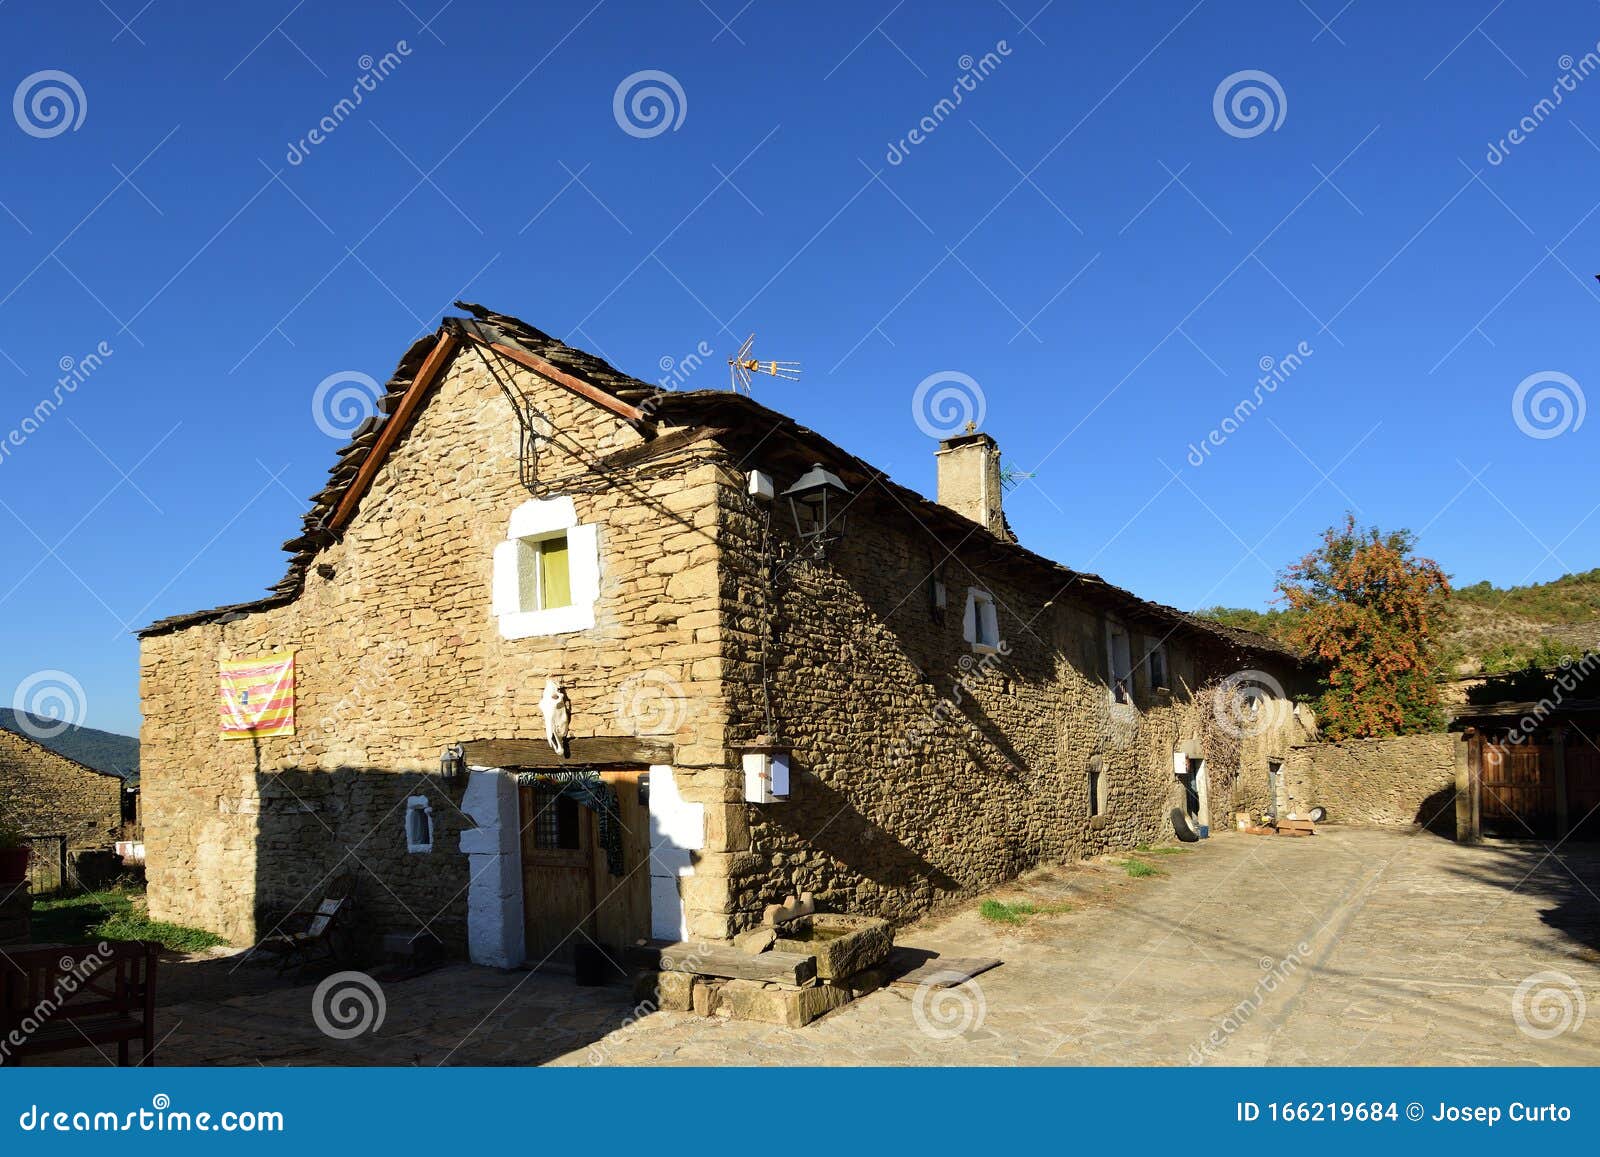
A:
756, 940
675, 991
843, 945
781, 1004
706, 996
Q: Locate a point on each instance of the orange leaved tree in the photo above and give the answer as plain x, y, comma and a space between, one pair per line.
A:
1365, 606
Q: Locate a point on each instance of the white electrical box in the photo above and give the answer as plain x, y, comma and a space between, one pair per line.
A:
766, 776
761, 485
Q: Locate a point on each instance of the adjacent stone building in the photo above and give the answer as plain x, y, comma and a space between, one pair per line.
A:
950, 707
46, 794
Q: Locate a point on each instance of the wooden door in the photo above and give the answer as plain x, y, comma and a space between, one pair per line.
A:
622, 911
557, 875
1583, 787
569, 895
1518, 790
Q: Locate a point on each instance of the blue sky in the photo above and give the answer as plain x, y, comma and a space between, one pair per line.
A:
1083, 237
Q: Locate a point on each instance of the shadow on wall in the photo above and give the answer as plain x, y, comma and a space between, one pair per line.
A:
862, 846
1437, 814
391, 839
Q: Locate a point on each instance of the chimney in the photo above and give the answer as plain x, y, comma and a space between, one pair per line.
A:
969, 480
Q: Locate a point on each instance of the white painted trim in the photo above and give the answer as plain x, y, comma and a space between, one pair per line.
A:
677, 828
539, 516
544, 518
494, 859
980, 607
414, 804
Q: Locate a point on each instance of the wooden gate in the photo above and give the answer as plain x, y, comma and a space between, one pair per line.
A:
1518, 790
569, 895
1582, 762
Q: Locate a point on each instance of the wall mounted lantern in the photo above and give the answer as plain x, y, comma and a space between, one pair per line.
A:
453, 764
818, 502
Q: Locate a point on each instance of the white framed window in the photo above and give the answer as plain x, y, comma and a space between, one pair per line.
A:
419, 824
546, 572
1119, 659
980, 623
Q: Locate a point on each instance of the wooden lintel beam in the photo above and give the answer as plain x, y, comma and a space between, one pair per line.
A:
581, 751
560, 376
389, 433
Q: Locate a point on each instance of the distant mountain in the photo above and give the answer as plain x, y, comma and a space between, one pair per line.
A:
102, 750
1490, 629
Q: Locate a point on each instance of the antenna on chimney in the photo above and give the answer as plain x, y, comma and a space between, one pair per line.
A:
741, 365
1010, 475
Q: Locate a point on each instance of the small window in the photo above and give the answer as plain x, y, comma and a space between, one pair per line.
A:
545, 581
1097, 788
980, 626
419, 824
555, 822
1156, 661
1119, 654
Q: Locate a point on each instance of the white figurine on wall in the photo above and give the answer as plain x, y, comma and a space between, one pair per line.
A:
557, 708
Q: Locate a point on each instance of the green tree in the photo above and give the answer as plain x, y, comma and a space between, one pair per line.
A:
1364, 605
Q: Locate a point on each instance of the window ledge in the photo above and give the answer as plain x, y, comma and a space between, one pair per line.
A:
555, 621
1098, 822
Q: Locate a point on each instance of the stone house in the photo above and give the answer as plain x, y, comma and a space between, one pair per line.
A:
950, 707
47, 794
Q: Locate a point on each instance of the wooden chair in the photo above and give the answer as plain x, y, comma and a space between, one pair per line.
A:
56, 998
306, 937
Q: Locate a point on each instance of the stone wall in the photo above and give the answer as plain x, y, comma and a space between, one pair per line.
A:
46, 794
923, 769
398, 655
1398, 782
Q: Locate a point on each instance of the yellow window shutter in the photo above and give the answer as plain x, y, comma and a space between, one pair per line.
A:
554, 576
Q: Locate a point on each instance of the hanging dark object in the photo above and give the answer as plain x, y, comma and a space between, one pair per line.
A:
818, 502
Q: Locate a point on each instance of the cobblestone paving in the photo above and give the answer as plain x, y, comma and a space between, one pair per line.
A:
1353, 947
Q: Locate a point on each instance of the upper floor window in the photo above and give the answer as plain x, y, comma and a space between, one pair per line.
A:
546, 572
1156, 665
980, 624
1119, 656
544, 581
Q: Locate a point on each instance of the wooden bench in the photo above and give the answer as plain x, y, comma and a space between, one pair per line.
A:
54, 998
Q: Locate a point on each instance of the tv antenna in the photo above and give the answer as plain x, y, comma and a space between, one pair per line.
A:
1010, 475
741, 365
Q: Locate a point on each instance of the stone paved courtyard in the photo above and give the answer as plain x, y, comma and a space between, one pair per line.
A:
1353, 947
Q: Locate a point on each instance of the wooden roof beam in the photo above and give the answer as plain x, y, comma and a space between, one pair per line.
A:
389, 433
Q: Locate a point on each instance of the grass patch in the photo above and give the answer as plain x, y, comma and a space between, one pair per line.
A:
117, 914
1138, 869
1149, 850
1018, 911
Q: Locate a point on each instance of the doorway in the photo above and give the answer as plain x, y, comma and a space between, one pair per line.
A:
1275, 797
570, 895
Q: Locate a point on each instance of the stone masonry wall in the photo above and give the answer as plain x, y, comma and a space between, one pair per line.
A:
909, 787
1398, 782
398, 655
46, 794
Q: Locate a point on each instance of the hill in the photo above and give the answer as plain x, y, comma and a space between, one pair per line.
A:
1489, 629
103, 750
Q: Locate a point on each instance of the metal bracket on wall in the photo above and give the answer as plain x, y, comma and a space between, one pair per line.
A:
528, 431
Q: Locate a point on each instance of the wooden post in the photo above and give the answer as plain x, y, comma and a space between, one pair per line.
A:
1469, 756
1558, 761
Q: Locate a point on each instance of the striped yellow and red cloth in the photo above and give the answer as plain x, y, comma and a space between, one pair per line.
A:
255, 696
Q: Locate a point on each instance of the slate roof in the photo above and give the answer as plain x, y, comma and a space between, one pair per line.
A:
694, 415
